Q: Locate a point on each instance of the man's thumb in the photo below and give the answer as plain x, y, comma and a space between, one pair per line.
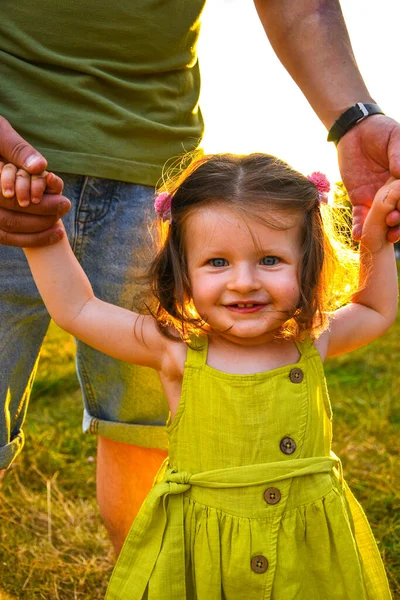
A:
14, 149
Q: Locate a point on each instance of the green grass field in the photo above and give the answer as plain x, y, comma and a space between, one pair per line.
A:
53, 544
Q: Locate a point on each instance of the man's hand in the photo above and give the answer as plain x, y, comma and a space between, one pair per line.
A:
14, 149
368, 155
35, 225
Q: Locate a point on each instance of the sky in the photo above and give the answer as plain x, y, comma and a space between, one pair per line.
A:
250, 103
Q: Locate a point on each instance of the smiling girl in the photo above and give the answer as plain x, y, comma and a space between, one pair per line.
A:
250, 296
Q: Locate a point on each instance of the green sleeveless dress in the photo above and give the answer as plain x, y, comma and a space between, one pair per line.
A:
251, 503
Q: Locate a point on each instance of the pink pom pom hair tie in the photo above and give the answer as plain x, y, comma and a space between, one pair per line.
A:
322, 184
162, 205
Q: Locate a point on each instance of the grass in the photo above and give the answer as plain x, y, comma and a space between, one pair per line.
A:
53, 544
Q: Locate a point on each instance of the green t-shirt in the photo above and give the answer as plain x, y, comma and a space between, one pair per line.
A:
108, 89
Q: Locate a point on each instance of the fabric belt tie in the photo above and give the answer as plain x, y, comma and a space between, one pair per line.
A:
166, 503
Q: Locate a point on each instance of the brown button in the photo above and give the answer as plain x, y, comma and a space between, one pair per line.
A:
272, 496
296, 375
287, 445
259, 564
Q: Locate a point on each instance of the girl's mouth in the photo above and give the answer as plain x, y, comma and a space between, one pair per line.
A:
245, 307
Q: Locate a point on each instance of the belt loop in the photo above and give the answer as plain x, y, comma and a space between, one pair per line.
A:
339, 467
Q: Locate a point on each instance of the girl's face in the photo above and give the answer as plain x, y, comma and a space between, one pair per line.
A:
243, 274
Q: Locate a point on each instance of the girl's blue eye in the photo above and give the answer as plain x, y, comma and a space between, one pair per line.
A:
218, 262
269, 261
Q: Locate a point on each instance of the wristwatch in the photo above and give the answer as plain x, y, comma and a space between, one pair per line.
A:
351, 117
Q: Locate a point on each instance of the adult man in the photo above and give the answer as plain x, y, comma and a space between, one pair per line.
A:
107, 93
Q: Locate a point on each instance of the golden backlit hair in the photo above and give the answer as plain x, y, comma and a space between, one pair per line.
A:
263, 187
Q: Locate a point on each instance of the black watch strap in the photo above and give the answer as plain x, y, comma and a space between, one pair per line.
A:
351, 117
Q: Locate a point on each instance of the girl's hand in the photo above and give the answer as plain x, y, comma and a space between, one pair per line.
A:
375, 229
25, 187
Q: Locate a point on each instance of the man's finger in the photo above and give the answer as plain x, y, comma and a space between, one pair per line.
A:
393, 219
17, 222
30, 240
359, 215
393, 234
51, 204
14, 149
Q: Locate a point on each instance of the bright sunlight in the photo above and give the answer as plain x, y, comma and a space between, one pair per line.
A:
251, 104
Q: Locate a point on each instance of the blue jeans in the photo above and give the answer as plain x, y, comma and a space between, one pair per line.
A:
107, 230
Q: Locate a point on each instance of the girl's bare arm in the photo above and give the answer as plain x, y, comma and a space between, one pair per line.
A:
69, 298
374, 307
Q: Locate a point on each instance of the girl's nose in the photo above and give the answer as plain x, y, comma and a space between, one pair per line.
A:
244, 279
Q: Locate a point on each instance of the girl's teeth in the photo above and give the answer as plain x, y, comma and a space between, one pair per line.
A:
245, 305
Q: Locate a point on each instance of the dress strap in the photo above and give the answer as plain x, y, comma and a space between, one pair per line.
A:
304, 346
197, 351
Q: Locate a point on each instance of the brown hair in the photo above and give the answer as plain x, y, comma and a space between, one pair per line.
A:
265, 188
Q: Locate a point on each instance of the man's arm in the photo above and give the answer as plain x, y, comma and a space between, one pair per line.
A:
311, 40
368, 154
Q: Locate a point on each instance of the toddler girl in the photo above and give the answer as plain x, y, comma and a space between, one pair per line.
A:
251, 295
